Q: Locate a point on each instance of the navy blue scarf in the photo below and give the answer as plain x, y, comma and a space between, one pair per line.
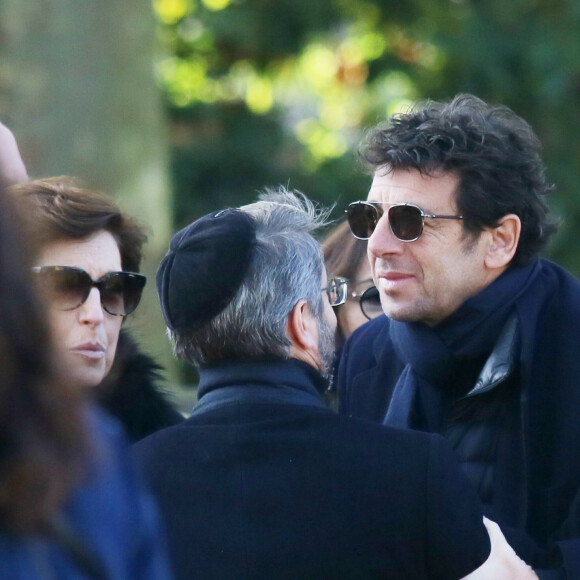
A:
445, 360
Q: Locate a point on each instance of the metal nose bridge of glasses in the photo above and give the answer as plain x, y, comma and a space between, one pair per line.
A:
406, 220
338, 293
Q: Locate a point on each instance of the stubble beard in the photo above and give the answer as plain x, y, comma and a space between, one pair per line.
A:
326, 349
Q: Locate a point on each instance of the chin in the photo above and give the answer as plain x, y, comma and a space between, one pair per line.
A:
397, 312
404, 314
88, 380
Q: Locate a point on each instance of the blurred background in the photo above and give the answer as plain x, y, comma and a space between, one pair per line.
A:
180, 107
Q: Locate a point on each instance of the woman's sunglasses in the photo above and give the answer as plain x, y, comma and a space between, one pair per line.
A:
68, 288
369, 300
405, 220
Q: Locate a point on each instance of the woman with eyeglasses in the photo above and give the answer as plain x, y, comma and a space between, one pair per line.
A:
350, 288
87, 254
348, 268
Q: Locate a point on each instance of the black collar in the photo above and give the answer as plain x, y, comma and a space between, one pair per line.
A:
276, 381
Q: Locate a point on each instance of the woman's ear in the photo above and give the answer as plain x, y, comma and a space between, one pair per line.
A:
503, 243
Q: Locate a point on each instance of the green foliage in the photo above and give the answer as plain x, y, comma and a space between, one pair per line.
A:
262, 92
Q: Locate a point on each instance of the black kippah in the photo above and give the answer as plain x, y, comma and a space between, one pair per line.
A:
204, 267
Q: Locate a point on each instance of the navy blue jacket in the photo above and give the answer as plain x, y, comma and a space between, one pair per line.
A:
112, 528
264, 481
548, 379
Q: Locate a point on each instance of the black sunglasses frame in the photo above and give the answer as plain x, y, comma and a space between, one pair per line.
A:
86, 284
378, 212
370, 295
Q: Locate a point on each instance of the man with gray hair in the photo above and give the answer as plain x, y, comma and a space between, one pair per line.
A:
263, 480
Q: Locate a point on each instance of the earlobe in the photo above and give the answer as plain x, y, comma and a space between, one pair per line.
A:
504, 242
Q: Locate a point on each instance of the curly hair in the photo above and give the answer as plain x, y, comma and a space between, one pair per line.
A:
494, 153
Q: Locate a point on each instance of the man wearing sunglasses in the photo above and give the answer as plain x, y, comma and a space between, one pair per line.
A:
481, 341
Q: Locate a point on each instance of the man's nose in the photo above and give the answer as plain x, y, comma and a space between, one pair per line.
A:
383, 241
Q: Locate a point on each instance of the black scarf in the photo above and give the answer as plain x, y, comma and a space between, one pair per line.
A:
445, 360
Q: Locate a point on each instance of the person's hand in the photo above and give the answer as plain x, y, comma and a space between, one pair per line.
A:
503, 563
12, 168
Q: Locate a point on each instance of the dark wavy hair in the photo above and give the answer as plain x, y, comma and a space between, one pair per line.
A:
494, 153
58, 208
43, 443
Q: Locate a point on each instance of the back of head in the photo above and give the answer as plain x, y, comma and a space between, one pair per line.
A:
494, 152
41, 428
57, 208
285, 266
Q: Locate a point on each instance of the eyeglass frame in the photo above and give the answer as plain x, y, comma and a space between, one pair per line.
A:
376, 206
346, 282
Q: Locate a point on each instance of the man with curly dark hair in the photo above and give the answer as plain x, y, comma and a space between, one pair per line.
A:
480, 340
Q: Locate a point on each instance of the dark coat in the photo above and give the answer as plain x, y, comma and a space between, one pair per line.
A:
264, 481
131, 392
547, 375
108, 529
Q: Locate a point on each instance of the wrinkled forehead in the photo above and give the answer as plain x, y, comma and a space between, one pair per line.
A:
436, 192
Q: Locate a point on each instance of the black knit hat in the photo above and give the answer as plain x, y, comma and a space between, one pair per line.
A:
204, 267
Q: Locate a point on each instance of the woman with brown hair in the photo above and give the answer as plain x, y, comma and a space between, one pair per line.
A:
71, 506
87, 254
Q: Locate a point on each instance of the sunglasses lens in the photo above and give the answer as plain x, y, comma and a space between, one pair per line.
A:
406, 222
370, 303
121, 292
362, 219
66, 288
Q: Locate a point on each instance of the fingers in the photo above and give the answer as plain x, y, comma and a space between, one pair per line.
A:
12, 168
496, 537
503, 563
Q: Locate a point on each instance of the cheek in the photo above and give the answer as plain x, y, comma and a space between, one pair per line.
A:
113, 328
371, 260
446, 281
60, 323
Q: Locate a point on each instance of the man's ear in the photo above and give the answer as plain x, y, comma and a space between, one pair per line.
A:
302, 330
503, 242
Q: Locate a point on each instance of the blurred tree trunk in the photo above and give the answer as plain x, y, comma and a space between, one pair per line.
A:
78, 90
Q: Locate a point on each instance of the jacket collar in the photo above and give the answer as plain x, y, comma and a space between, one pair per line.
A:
274, 374
502, 360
